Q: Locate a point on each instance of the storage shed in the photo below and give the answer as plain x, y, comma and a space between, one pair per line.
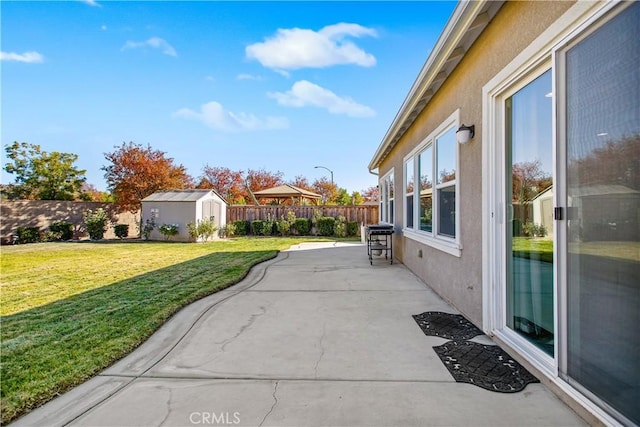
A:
182, 207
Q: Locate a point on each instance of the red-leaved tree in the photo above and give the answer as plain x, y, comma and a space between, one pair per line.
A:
261, 179
136, 172
370, 194
327, 189
229, 184
301, 181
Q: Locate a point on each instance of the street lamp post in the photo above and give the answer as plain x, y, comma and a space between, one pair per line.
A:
323, 167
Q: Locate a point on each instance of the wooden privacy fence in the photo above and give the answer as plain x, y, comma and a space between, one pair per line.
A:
363, 214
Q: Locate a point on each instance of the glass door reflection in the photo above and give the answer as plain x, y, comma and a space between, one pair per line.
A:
529, 229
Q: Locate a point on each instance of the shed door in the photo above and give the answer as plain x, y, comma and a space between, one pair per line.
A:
208, 209
217, 207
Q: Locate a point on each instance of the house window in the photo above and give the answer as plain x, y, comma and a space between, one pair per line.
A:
408, 193
425, 166
432, 166
446, 183
387, 198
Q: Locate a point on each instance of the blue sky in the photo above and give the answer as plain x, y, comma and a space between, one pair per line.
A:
283, 86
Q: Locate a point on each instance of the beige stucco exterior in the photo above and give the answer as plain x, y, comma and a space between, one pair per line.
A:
459, 279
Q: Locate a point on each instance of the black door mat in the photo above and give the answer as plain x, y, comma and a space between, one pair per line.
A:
486, 366
446, 325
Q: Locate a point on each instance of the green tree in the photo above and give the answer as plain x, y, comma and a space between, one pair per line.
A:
343, 199
40, 175
357, 198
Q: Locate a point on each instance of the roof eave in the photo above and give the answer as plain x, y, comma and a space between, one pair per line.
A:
467, 21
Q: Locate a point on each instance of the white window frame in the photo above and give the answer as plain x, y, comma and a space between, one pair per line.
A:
449, 245
387, 204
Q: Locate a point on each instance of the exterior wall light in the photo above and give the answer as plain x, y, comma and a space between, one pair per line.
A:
464, 134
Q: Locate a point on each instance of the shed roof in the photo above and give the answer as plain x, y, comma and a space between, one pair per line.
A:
191, 195
287, 191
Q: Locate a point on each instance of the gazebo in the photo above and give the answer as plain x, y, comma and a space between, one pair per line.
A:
287, 194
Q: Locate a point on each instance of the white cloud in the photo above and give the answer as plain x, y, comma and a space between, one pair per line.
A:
103, 28
247, 77
305, 93
295, 48
29, 57
153, 42
216, 117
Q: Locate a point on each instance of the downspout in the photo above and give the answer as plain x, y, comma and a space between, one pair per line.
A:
363, 225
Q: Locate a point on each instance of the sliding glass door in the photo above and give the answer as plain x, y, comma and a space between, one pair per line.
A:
602, 95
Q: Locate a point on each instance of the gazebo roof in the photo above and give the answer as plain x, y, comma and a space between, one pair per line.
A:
285, 191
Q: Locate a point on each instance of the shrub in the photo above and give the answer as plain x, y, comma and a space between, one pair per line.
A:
121, 230
269, 225
283, 226
206, 229
242, 228
339, 227
317, 214
203, 229
531, 229
168, 230
51, 236
28, 234
325, 225
148, 227
258, 227
96, 223
64, 228
302, 226
228, 230
352, 228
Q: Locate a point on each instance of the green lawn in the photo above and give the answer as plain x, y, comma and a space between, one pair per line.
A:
71, 309
540, 249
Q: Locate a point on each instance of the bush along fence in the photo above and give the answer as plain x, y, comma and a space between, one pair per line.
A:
362, 214
288, 224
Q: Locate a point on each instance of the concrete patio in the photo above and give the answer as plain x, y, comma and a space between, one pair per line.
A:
315, 337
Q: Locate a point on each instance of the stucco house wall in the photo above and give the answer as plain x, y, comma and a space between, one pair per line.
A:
459, 279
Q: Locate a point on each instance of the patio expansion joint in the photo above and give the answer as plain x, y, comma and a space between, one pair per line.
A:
279, 379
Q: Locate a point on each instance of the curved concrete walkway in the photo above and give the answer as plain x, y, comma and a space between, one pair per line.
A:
314, 337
